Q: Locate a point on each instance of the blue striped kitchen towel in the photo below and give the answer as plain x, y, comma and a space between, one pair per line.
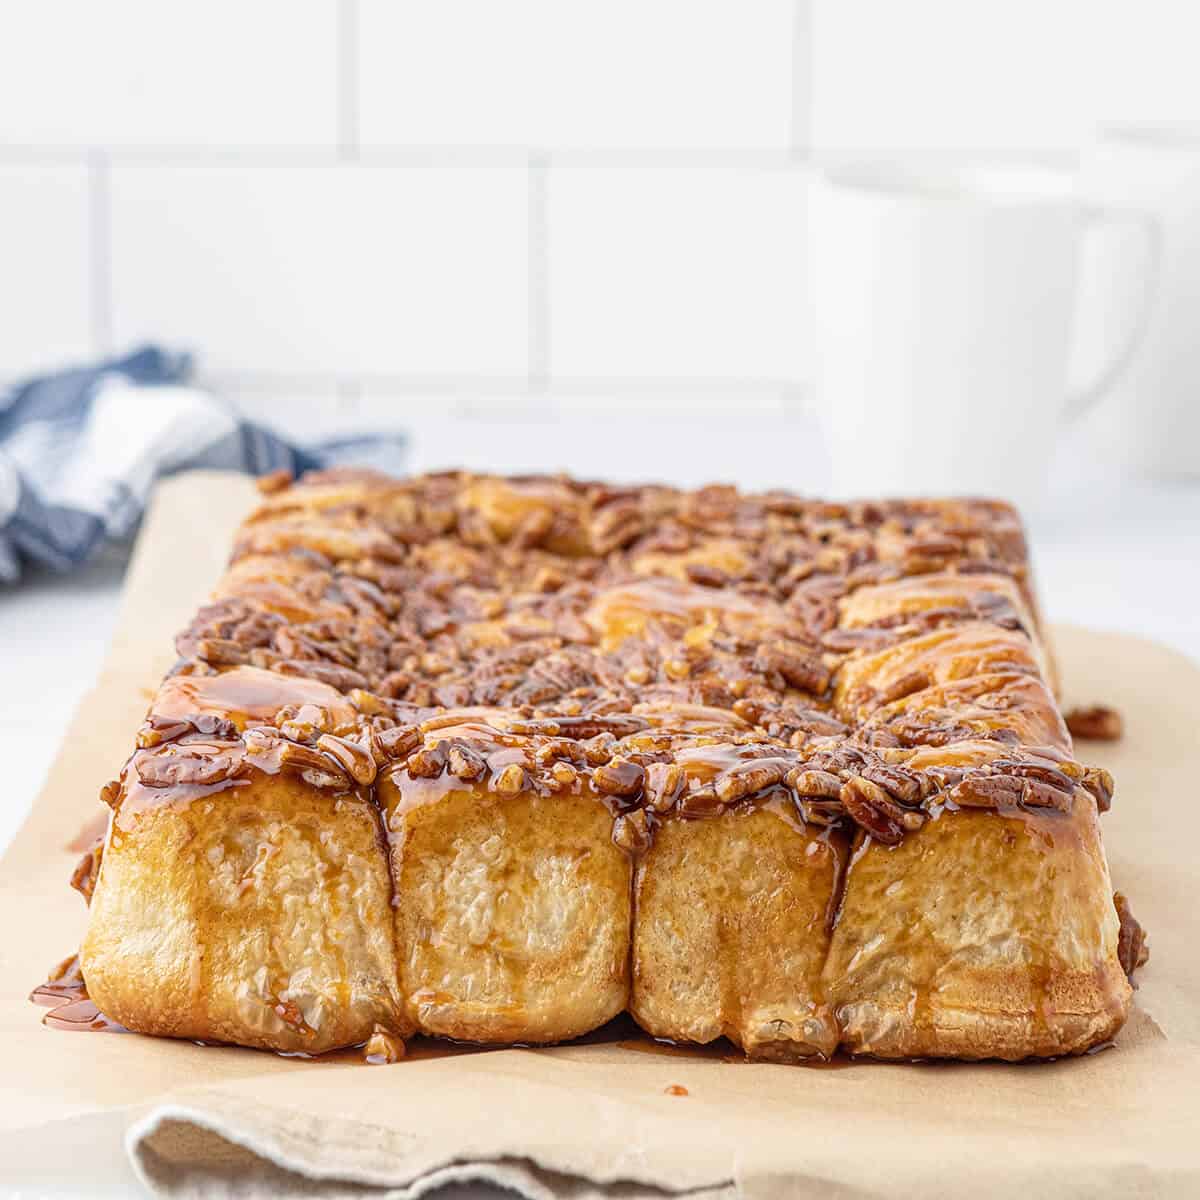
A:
80, 451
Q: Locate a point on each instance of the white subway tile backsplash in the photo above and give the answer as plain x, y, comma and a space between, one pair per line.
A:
45, 256
627, 73
351, 270
939, 73
140, 72
685, 272
1026, 75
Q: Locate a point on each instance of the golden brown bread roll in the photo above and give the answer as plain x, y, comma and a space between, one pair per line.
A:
497, 759
982, 935
512, 909
733, 917
236, 903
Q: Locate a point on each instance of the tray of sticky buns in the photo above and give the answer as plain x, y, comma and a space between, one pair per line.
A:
499, 759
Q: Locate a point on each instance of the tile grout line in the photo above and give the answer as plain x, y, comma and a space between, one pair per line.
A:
800, 132
799, 399
449, 156
538, 268
349, 136
512, 387
100, 305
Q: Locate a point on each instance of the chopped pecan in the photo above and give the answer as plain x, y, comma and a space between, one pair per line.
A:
1096, 722
429, 762
619, 777
563, 775
870, 807
600, 748
618, 725
700, 801
87, 871
221, 652
1133, 949
303, 722
901, 784
664, 781
999, 791
171, 766
1100, 783
369, 704
906, 685
820, 812
812, 784
797, 668
342, 678
631, 831
705, 575
465, 762
747, 778
511, 781
350, 756
397, 742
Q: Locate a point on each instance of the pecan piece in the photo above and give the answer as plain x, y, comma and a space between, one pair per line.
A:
303, 722
397, 742
631, 831
511, 781
1100, 783
87, 871
664, 781
369, 704
705, 575
820, 812
342, 678
901, 784
350, 756
798, 669
157, 730
619, 777
875, 811
166, 769
383, 1048
813, 784
906, 685
562, 775
599, 749
428, 763
1096, 722
220, 652
699, 802
999, 791
465, 762
747, 778
1133, 950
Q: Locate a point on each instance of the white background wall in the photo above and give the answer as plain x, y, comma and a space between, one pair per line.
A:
500, 207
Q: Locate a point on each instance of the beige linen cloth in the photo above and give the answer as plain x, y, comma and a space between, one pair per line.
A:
599, 1120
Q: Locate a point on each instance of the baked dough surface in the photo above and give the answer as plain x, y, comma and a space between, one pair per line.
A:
499, 759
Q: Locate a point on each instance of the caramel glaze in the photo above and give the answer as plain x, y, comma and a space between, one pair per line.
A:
673, 655
65, 994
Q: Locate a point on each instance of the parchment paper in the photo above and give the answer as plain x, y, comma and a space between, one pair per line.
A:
591, 1120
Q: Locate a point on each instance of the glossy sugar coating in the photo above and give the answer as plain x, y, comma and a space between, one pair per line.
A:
496, 759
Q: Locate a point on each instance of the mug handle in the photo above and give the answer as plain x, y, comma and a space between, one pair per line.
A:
1107, 222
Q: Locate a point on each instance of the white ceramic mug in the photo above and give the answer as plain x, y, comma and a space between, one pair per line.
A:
943, 307
1152, 421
